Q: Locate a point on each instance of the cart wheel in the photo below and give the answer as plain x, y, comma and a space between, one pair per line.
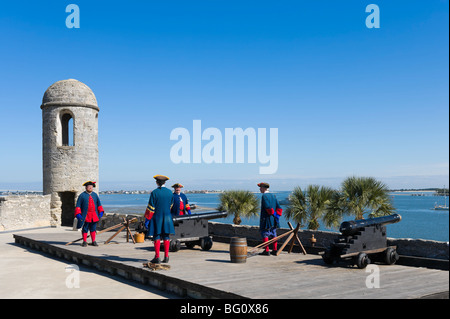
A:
362, 260
175, 245
206, 243
390, 256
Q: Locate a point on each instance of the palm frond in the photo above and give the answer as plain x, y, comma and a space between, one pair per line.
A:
365, 195
311, 206
239, 203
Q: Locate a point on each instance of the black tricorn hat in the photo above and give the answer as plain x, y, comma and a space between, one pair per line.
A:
266, 185
89, 183
177, 185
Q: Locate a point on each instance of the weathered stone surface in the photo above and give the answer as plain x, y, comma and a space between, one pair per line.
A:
66, 166
421, 247
27, 211
109, 220
69, 92
70, 158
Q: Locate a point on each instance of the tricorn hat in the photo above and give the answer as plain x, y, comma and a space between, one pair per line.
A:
89, 183
266, 185
161, 177
177, 185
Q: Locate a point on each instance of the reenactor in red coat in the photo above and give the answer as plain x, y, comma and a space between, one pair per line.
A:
88, 211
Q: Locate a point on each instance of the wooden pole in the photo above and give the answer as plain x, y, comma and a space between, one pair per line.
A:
291, 236
99, 232
263, 245
117, 233
134, 219
125, 225
298, 240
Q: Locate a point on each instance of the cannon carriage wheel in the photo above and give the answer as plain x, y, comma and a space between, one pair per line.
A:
175, 245
205, 243
362, 260
390, 256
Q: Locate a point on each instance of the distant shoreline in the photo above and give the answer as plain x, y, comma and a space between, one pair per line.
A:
414, 191
137, 192
120, 192
139, 210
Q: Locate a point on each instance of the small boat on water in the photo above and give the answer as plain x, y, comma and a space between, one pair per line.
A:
441, 207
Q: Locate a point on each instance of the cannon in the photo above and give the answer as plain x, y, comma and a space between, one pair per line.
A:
193, 230
362, 238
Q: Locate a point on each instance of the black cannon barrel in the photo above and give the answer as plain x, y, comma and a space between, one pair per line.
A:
351, 227
208, 215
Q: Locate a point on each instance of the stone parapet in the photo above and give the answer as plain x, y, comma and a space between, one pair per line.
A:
24, 211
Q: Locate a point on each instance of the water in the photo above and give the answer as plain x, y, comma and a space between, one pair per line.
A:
419, 220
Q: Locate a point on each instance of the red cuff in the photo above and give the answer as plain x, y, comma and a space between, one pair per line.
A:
279, 211
148, 214
77, 211
100, 209
270, 211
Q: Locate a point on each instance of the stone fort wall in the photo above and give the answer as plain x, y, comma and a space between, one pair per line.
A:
24, 211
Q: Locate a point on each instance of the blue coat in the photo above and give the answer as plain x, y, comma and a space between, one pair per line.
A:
82, 206
159, 205
269, 209
176, 205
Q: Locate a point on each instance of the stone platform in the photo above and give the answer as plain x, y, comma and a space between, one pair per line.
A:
210, 274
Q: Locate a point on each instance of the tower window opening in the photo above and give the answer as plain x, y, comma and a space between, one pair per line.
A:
67, 129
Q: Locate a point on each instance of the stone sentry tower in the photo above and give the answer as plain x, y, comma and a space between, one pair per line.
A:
69, 145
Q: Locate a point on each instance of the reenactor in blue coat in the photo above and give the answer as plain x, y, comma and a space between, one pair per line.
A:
180, 202
158, 217
88, 211
270, 217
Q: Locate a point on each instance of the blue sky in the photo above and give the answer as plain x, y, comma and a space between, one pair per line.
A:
346, 99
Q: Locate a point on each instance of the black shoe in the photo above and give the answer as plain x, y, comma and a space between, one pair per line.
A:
84, 244
274, 252
155, 261
94, 243
166, 260
264, 253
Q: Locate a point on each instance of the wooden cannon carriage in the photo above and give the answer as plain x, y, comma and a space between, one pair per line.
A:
362, 238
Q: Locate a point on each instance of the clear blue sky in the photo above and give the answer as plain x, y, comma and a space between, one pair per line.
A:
347, 100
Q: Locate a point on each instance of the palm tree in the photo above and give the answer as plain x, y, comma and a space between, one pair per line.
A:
240, 203
364, 195
311, 206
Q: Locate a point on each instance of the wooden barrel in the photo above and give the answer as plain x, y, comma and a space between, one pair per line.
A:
139, 237
238, 250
